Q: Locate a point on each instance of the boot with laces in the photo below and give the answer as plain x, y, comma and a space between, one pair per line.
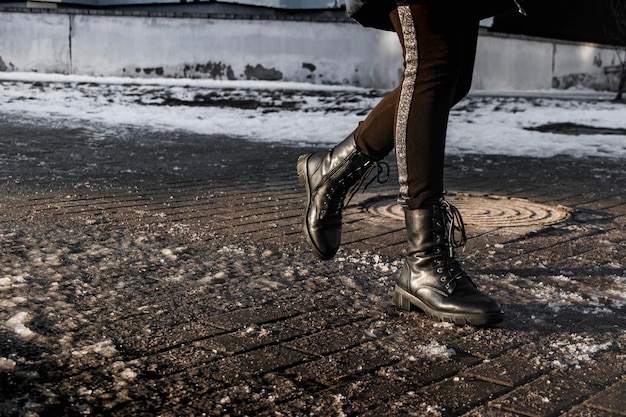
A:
328, 177
432, 280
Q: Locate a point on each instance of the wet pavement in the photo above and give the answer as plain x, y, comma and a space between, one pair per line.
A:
151, 273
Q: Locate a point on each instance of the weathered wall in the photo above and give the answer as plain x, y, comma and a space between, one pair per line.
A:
35, 42
336, 53
587, 65
505, 63
319, 52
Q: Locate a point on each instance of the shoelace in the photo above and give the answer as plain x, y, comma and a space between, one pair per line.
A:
453, 226
337, 195
455, 236
520, 9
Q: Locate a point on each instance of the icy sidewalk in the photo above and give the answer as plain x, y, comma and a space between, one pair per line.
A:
148, 271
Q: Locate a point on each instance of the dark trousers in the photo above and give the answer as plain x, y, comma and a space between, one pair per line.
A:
439, 46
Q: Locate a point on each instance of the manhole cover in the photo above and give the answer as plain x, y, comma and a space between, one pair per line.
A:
486, 211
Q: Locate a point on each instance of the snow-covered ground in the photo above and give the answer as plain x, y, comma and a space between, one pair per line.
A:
486, 123
67, 294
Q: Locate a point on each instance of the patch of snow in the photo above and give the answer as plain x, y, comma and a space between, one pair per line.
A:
434, 349
580, 349
16, 324
128, 374
106, 348
231, 250
6, 364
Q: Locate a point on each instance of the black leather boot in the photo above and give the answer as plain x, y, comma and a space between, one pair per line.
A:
432, 280
328, 176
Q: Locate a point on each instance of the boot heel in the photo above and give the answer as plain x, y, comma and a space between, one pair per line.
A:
400, 301
302, 160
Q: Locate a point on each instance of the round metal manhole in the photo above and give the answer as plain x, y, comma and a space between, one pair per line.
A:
486, 211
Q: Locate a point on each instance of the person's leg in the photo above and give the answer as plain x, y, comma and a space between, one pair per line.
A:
435, 37
375, 135
327, 178
439, 46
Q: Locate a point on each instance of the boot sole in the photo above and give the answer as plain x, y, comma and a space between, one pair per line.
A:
406, 301
303, 180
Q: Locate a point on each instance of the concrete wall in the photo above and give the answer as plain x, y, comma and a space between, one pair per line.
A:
334, 53
506, 63
587, 65
318, 52
35, 42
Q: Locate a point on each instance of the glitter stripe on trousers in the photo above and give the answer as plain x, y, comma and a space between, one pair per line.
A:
411, 64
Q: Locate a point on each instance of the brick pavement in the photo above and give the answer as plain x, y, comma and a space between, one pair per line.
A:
146, 273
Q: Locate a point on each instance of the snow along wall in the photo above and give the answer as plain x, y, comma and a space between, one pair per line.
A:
157, 45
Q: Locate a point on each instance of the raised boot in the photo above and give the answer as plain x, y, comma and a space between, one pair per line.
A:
327, 177
432, 280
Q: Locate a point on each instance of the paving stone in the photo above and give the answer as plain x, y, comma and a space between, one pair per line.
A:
331, 340
611, 400
486, 411
369, 392
156, 291
255, 396
490, 344
603, 369
450, 397
252, 363
325, 315
509, 370
560, 390
584, 411
255, 315
338, 366
247, 339
516, 366
177, 360
171, 394
140, 340
541, 398
417, 372
258, 335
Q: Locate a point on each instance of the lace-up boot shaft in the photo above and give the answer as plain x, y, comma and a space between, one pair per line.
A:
432, 280
328, 177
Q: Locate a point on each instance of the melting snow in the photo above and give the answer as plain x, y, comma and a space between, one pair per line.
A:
487, 123
16, 324
434, 349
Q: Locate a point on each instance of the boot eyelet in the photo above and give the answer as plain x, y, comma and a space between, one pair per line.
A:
442, 279
440, 270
